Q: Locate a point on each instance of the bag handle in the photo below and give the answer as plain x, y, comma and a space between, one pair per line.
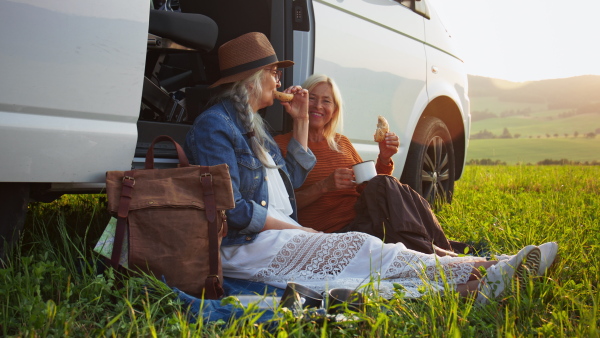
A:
183, 160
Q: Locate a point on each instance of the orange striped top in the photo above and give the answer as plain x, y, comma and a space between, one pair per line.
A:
334, 209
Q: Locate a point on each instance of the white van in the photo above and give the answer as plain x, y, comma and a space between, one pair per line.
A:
86, 85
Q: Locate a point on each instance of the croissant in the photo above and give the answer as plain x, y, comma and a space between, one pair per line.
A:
382, 128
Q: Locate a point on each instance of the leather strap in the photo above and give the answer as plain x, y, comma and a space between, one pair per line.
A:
183, 160
213, 288
122, 213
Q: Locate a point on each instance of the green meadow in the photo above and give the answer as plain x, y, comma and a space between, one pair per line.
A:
532, 151
542, 124
51, 284
536, 132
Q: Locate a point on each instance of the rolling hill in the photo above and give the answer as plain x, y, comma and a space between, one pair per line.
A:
566, 111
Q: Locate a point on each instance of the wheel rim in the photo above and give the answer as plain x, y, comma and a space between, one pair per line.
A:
435, 173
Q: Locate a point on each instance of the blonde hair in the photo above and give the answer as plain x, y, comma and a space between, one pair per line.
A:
336, 122
252, 122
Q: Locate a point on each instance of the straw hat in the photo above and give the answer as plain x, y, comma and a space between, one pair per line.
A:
244, 55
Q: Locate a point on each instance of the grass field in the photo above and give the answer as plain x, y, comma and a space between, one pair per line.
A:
543, 133
539, 125
539, 121
525, 151
51, 286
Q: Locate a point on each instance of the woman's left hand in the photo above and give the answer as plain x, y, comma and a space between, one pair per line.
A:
298, 107
388, 147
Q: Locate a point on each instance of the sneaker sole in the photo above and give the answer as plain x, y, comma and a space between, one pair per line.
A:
529, 266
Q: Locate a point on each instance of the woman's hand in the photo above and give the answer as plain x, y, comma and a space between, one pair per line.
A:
298, 107
388, 147
341, 178
298, 110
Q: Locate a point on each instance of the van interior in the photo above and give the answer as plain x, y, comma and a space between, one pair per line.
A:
182, 62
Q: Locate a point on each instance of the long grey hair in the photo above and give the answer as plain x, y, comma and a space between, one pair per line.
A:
238, 93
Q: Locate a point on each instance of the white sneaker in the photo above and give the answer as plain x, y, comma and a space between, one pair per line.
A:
503, 257
499, 275
548, 251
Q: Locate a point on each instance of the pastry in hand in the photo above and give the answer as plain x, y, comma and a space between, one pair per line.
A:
283, 97
382, 128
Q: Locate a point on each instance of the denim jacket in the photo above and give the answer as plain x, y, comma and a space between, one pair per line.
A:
218, 137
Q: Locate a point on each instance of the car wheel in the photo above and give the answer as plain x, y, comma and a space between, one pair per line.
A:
14, 198
429, 167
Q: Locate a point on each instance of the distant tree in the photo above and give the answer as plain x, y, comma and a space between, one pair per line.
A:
547, 135
482, 115
505, 133
563, 161
575, 133
556, 135
539, 136
486, 161
566, 135
591, 134
483, 134
517, 135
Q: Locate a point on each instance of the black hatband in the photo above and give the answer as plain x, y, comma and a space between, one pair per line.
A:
249, 65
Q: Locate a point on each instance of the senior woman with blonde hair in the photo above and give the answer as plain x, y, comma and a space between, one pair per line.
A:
327, 201
335, 100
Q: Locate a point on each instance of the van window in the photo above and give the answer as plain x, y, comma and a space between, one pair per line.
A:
417, 6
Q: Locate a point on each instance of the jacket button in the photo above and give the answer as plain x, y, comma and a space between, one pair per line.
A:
248, 238
266, 178
263, 203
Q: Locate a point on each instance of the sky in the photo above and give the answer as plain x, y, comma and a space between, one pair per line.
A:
524, 40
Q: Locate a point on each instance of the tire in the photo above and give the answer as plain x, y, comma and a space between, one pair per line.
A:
429, 167
14, 198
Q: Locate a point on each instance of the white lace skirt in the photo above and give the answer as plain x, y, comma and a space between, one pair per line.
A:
325, 261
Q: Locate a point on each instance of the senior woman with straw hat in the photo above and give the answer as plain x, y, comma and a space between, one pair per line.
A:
232, 132
264, 241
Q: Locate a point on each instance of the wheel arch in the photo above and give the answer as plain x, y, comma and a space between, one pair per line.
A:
445, 109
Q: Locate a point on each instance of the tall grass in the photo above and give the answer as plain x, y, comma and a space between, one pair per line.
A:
54, 286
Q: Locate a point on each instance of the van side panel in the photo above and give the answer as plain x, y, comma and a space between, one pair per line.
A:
69, 114
374, 51
446, 78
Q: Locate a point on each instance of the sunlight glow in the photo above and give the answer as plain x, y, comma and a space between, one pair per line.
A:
524, 40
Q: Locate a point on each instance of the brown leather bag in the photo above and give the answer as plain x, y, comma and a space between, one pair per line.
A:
175, 219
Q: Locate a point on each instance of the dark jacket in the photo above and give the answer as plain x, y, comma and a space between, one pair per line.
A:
394, 212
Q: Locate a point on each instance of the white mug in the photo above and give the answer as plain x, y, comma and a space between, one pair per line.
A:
364, 171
